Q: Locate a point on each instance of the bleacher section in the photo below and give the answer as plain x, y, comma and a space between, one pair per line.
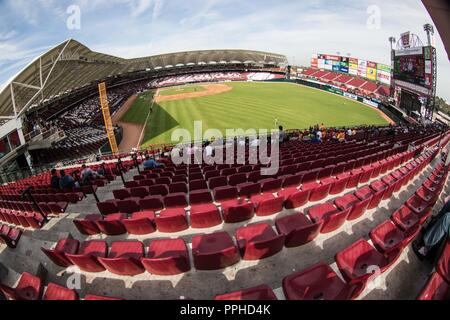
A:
332, 210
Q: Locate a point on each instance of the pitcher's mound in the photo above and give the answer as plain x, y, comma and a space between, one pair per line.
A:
209, 90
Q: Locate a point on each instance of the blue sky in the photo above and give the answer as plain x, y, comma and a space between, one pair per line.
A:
133, 28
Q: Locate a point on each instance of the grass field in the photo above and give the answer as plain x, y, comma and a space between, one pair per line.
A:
139, 111
251, 105
181, 90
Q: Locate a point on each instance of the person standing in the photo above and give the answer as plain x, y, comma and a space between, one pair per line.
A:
55, 180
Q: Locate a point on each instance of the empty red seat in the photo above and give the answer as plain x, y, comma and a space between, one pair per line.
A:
332, 217
58, 254
121, 194
139, 192
128, 206
214, 251
56, 292
298, 229
159, 190
267, 204
175, 200
216, 182
152, 203
237, 211
225, 193
140, 223
107, 207
271, 185
319, 282
417, 204
406, 219
87, 225
359, 261
248, 189
354, 179
200, 197
29, 287
87, 256
178, 187
172, 220
387, 237
364, 193
258, 241
443, 266
205, 216
124, 258
427, 195
436, 289
236, 179
294, 198
112, 224
167, 257
197, 185
356, 206
259, 293
10, 236
320, 192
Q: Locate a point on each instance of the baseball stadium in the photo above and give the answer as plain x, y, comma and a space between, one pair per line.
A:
95, 204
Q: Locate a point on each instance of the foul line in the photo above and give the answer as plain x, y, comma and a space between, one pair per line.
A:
146, 120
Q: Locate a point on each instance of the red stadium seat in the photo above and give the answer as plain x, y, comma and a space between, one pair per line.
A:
237, 211
332, 217
56, 292
128, 206
319, 282
167, 257
178, 187
427, 195
298, 229
205, 216
295, 198
172, 220
258, 241
406, 219
175, 200
260, 293
121, 194
29, 287
124, 258
200, 197
246, 190
87, 225
418, 205
139, 192
58, 254
152, 203
87, 256
112, 224
107, 207
387, 237
267, 204
140, 223
360, 260
214, 251
436, 289
443, 266
225, 193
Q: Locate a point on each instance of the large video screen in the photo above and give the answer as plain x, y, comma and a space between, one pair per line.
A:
410, 69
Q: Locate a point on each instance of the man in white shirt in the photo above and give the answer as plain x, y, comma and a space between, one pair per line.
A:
208, 150
349, 132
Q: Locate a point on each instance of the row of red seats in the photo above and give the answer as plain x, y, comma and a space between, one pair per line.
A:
74, 197
214, 251
55, 208
25, 219
10, 236
321, 282
30, 287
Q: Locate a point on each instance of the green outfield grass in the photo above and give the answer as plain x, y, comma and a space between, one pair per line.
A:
139, 110
180, 90
253, 105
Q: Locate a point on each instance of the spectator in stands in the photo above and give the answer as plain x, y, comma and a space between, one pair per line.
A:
341, 136
208, 149
435, 232
349, 132
87, 174
319, 136
54, 180
76, 178
101, 170
150, 163
66, 180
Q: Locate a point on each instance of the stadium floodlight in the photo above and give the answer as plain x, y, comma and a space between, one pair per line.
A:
429, 29
392, 41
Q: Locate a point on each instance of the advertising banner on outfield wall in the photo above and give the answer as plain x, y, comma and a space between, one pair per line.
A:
371, 74
321, 63
370, 103
384, 77
350, 96
362, 68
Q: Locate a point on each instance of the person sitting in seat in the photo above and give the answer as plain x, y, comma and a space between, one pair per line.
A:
150, 163
87, 174
54, 180
66, 181
434, 233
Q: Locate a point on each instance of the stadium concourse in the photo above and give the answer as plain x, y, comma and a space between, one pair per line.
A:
336, 222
